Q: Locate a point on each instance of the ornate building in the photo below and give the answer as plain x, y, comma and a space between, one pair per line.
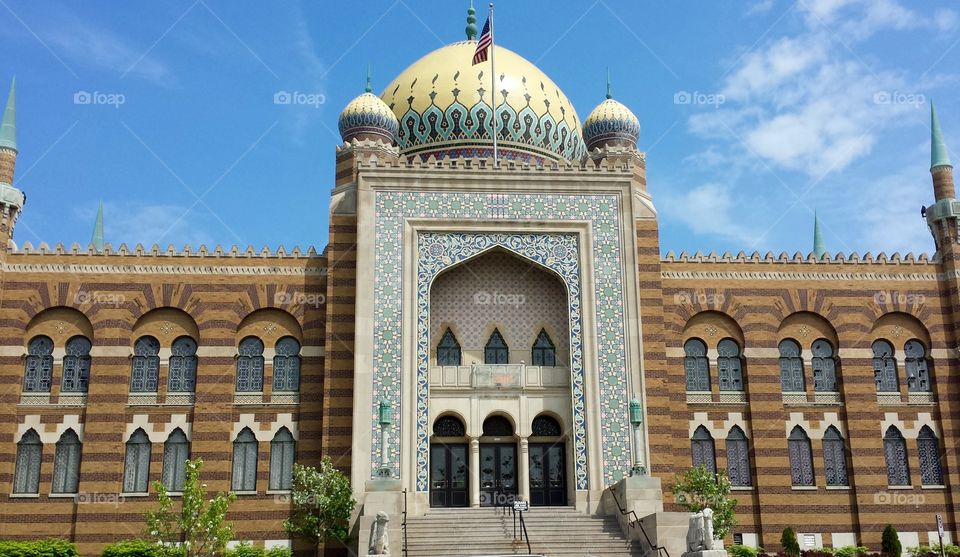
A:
478, 331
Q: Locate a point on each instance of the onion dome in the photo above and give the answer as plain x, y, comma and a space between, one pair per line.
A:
368, 117
443, 103
611, 123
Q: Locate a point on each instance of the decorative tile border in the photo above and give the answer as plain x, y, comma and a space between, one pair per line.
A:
603, 214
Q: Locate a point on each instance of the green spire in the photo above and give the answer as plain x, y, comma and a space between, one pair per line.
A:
369, 80
471, 23
97, 239
938, 149
609, 87
818, 248
8, 129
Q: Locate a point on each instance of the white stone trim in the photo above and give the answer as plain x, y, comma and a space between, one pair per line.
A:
815, 433
158, 433
721, 431
70, 421
265, 435
172, 269
799, 277
923, 419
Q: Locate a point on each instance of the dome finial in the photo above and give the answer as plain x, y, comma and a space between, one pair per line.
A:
369, 83
938, 149
471, 22
609, 88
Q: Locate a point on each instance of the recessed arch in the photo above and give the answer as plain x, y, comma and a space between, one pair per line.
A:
449, 424
166, 324
498, 424
711, 326
60, 324
270, 325
805, 327
899, 327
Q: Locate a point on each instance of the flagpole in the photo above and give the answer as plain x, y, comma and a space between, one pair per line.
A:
493, 88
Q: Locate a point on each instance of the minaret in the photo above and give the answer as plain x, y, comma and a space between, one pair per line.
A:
11, 199
818, 248
943, 217
97, 238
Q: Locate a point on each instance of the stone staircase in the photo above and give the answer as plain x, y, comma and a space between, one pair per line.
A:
553, 531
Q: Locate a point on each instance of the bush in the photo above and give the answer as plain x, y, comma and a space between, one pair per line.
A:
39, 548
933, 550
246, 550
850, 551
819, 552
743, 551
890, 544
789, 542
140, 548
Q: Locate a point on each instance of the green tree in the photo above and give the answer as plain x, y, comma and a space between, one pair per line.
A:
322, 504
890, 543
789, 541
698, 488
200, 524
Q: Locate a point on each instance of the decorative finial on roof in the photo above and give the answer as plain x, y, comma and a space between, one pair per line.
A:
818, 247
609, 87
369, 81
938, 149
8, 127
471, 23
97, 238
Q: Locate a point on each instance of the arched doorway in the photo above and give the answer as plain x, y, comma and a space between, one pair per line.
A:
548, 469
498, 463
449, 468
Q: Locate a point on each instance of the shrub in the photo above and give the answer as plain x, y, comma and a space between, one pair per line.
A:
819, 552
933, 550
743, 551
850, 551
246, 550
789, 542
39, 548
698, 488
140, 548
890, 544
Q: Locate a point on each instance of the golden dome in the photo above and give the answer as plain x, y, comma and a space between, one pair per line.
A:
367, 116
611, 122
443, 104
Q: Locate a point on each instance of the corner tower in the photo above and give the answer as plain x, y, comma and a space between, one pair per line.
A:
944, 215
11, 199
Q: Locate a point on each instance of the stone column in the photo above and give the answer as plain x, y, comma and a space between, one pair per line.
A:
524, 476
474, 472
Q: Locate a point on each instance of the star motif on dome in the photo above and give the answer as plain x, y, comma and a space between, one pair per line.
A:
528, 97
481, 91
456, 92
410, 100
433, 95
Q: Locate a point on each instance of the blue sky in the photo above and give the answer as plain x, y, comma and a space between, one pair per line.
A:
753, 114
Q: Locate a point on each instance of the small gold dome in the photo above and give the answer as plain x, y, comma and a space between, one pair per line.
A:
368, 117
611, 122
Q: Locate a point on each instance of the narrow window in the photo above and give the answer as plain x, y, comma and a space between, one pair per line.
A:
791, 367
286, 365
695, 365
245, 461
76, 365
884, 367
250, 366
136, 470
801, 457
929, 448
66, 463
176, 452
729, 365
27, 475
183, 366
544, 352
738, 457
448, 351
701, 447
496, 351
38, 368
895, 451
146, 365
918, 376
824, 367
834, 457
281, 460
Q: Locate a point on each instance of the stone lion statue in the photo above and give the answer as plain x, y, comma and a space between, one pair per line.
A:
379, 542
700, 531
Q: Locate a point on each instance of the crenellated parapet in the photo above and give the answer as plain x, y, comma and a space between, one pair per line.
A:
170, 251
800, 258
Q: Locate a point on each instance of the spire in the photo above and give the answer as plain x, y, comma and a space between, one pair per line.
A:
938, 149
97, 239
609, 88
471, 23
818, 248
369, 84
8, 129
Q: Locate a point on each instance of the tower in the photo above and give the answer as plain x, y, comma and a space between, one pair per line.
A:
97, 239
944, 215
818, 248
11, 199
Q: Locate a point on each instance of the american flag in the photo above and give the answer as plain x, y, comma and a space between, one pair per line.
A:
483, 44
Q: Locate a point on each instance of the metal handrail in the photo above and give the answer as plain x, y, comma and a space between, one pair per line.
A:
523, 529
636, 522
403, 524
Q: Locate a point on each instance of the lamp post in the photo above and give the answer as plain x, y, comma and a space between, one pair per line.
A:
636, 419
386, 419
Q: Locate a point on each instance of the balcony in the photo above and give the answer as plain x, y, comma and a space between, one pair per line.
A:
498, 377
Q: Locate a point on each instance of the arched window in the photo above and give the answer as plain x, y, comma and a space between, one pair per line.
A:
136, 466
449, 426
729, 365
895, 451
176, 452
27, 475
38, 368
702, 450
76, 365
695, 365
496, 352
801, 457
834, 457
738, 457
245, 461
884, 367
183, 366
448, 351
929, 448
250, 365
544, 352
66, 463
497, 426
286, 365
791, 367
918, 376
146, 365
824, 367
281, 459
546, 426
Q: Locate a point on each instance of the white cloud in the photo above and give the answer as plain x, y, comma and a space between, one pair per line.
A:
132, 223
888, 219
708, 210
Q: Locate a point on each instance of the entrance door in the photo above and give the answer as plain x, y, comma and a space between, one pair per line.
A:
548, 482
498, 474
449, 476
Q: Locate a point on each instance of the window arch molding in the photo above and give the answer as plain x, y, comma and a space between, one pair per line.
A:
498, 425
449, 424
